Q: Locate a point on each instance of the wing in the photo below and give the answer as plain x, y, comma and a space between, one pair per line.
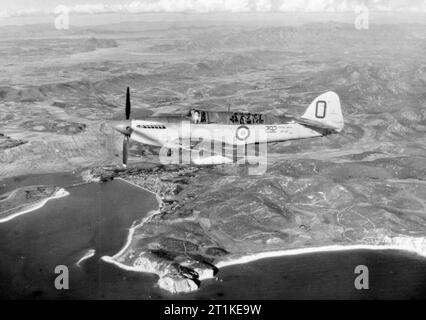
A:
201, 152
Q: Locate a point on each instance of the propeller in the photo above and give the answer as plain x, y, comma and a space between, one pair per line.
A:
128, 103
124, 127
125, 149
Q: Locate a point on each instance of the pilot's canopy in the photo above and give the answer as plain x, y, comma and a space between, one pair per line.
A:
223, 117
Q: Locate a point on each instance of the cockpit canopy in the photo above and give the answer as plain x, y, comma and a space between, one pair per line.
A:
223, 117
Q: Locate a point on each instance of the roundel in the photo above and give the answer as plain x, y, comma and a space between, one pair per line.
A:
243, 133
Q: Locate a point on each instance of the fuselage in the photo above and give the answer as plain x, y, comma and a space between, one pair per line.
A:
169, 134
212, 133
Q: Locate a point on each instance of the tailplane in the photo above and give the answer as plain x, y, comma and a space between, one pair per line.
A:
325, 112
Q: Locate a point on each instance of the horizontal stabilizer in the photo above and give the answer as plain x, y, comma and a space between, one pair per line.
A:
317, 124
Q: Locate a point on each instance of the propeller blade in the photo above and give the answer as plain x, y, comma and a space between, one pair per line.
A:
125, 150
128, 104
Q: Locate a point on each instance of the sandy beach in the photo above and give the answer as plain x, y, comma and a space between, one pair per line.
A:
37, 205
135, 225
88, 254
291, 252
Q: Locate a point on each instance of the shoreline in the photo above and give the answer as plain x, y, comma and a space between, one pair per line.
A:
40, 204
159, 200
132, 229
244, 259
149, 215
322, 249
89, 253
414, 245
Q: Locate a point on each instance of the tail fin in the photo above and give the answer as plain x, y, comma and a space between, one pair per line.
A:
325, 111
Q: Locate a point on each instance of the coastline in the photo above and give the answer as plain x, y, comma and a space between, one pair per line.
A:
415, 245
132, 229
39, 204
399, 245
166, 281
157, 196
89, 253
334, 248
135, 225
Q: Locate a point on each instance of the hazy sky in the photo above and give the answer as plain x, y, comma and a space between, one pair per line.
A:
18, 7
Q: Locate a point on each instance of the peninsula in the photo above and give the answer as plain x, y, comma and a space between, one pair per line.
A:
26, 199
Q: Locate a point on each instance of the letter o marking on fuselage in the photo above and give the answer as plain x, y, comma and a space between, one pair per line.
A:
243, 132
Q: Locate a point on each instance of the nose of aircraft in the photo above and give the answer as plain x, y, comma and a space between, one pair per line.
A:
123, 127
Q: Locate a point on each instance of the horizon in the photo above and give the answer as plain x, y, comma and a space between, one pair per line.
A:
30, 8
274, 18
